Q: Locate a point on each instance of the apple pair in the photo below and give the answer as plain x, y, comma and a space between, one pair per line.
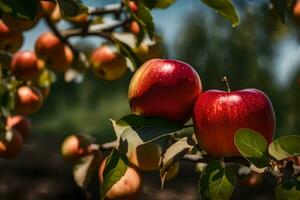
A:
172, 89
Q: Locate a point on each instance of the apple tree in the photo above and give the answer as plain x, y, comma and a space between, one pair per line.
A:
225, 133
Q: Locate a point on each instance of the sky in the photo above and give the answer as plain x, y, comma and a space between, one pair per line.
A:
169, 22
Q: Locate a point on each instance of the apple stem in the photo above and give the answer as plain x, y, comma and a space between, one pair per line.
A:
225, 80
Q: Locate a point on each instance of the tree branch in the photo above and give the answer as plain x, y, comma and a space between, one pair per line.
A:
60, 36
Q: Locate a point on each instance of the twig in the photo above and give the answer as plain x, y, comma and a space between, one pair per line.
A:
60, 36
112, 8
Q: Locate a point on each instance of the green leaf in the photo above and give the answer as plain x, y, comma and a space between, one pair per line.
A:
158, 3
144, 18
126, 51
284, 147
147, 128
171, 155
225, 8
216, 182
20, 8
129, 140
289, 190
71, 8
253, 146
115, 167
86, 168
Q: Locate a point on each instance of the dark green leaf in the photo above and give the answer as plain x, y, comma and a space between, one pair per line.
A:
143, 18
115, 167
20, 8
216, 182
284, 147
288, 190
127, 52
158, 3
147, 128
252, 146
226, 8
71, 8
174, 153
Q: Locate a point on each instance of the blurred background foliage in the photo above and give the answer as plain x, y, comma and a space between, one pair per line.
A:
246, 54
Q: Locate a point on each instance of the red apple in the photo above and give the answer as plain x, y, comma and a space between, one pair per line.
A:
57, 55
164, 88
25, 65
132, 5
219, 114
9, 41
21, 124
28, 100
19, 25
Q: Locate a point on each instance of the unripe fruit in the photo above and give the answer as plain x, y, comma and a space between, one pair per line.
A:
107, 63
9, 149
173, 171
18, 25
127, 188
9, 41
55, 15
146, 157
56, 54
75, 147
146, 51
164, 88
25, 65
20, 124
135, 27
28, 100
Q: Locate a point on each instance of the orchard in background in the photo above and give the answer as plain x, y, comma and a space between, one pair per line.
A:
233, 129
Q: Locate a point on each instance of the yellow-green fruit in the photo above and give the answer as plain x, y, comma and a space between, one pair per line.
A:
107, 63
146, 157
173, 171
74, 148
147, 51
127, 188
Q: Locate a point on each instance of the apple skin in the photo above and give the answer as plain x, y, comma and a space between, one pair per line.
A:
29, 99
127, 188
107, 63
135, 27
56, 54
164, 88
10, 149
218, 115
25, 66
21, 124
74, 147
9, 41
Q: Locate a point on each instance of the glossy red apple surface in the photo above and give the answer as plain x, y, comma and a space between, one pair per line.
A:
219, 114
164, 88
